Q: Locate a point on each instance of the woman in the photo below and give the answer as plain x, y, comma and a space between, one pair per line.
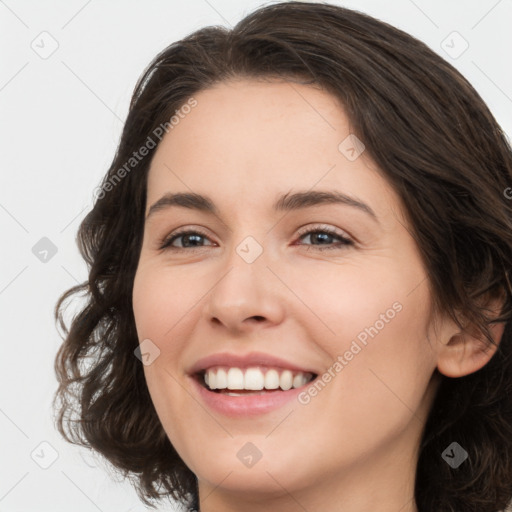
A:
298, 293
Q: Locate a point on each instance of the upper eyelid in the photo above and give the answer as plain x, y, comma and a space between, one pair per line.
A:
300, 231
322, 227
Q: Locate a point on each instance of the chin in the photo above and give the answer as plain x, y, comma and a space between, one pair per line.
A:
249, 465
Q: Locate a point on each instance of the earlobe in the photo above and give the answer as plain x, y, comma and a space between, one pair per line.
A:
469, 351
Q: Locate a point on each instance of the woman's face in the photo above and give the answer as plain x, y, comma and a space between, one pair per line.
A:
252, 290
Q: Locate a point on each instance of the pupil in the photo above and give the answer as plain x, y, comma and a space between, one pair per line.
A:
189, 238
322, 236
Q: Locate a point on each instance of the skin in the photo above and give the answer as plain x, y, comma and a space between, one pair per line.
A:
353, 447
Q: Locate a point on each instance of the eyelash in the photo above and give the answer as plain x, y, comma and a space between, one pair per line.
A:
165, 243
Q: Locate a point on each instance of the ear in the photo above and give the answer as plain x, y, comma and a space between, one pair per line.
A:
467, 351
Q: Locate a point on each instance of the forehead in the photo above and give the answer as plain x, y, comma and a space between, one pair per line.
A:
256, 140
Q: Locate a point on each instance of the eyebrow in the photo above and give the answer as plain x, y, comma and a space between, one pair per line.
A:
287, 202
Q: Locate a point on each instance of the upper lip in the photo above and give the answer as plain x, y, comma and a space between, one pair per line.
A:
245, 361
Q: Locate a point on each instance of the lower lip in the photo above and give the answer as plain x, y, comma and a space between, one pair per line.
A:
245, 405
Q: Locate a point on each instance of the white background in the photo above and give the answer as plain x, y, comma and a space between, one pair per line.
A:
61, 118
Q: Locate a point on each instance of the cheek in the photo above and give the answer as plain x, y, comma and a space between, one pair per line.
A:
161, 301
373, 327
344, 301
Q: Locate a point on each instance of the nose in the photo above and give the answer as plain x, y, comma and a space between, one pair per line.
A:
248, 296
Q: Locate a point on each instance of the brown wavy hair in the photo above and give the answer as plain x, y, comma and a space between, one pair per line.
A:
434, 140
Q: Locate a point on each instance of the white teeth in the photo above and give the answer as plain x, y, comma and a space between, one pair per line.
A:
254, 379
299, 380
212, 380
271, 379
286, 380
222, 379
235, 379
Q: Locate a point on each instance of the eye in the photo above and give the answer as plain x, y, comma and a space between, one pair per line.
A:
190, 240
324, 235
321, 238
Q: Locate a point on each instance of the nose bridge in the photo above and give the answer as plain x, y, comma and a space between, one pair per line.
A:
245, 288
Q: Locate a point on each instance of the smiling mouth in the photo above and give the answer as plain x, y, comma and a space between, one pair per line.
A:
258, 380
